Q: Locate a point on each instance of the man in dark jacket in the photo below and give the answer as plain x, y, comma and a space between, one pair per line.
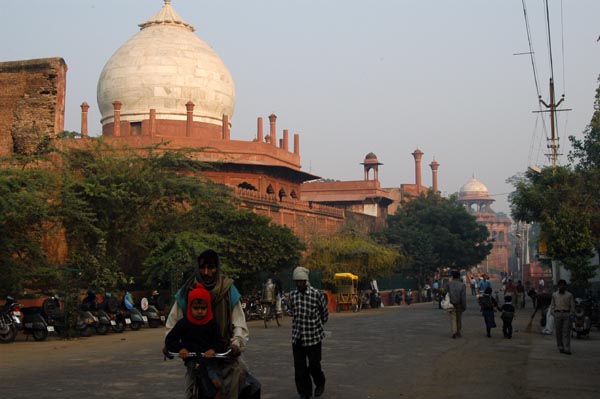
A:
458, 297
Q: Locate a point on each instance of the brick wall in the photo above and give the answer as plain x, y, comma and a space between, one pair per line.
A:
32, 102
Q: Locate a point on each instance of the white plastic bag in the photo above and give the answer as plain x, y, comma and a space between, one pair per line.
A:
549, 328
446, 305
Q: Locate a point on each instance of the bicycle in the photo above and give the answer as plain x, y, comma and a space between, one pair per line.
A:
203, 387
269, 313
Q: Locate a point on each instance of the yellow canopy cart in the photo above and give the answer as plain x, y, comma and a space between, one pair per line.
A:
346, 286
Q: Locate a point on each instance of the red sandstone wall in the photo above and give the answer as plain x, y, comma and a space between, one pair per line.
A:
32, 102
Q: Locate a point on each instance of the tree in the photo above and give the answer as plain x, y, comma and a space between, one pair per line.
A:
564, 200
26, 217
435, 232
557, 200
352, 252
149, 215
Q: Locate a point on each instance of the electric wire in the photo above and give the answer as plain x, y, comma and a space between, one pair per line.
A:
539, 141
564, 85
557, 135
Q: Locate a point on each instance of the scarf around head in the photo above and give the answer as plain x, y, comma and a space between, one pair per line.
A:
199, 292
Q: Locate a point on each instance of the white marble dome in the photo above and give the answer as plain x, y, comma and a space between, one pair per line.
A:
162, 67
473, 188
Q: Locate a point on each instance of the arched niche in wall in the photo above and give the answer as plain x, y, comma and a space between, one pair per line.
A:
247, 186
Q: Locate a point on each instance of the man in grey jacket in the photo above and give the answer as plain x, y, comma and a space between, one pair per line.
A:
458, 297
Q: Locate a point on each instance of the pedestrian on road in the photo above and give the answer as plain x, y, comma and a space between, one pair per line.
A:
488, 306
520, 299
309, 310
198, 332
563, 306
483, 284
507, 316
473, 283
458, 298
228, 313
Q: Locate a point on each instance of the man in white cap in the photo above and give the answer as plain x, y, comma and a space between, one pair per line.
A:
309, 309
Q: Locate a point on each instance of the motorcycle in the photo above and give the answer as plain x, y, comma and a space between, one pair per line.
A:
13, 308
10, 320
408, 297
90, 304
375, 299
581, 323
133, 318
152, 314
252, 307
285, 307
157, 301
34, 323
110, 306
86, 323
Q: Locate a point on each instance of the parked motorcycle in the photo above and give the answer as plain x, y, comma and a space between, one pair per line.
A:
159, 304
375, 299
34, 323
285, 307
581, 323
13, 308
408, 297
10, 320
90, 304
152, 315
252, 307
110, 306
86, 323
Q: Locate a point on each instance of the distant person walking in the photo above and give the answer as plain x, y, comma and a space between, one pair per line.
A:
473, 284
563, 306
483, 284
507, 316
488, 306
520, 298
458, 298
309, 309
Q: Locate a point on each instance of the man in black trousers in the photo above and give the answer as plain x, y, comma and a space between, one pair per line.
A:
309, 309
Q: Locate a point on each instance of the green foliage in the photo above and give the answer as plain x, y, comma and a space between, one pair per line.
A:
129, 217
435, 232
351, 252
25, 215
564, 201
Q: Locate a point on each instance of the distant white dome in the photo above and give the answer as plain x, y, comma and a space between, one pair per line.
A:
473, 188
162, 67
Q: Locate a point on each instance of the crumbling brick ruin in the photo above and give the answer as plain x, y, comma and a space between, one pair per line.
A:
32, 103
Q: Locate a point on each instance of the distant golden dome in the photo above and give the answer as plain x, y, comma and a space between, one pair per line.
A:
162, 67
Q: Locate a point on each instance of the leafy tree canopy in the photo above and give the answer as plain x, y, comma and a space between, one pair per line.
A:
564, 200
131, 216
351, 252
435, 232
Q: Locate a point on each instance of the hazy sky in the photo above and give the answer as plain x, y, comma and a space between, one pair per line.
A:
353, 76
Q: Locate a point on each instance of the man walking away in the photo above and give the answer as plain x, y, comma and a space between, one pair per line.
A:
309, 309
458, 297
563, 306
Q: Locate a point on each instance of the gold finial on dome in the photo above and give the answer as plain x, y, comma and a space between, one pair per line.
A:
166, 16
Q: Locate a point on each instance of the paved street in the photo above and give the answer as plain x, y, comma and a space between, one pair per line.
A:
387, 353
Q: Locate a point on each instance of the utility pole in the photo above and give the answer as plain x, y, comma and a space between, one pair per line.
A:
552, 108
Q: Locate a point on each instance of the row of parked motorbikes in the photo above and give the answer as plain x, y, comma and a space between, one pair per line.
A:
93, 317
256, 308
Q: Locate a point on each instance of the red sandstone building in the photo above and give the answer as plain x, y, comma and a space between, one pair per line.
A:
166, 85
476, 199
